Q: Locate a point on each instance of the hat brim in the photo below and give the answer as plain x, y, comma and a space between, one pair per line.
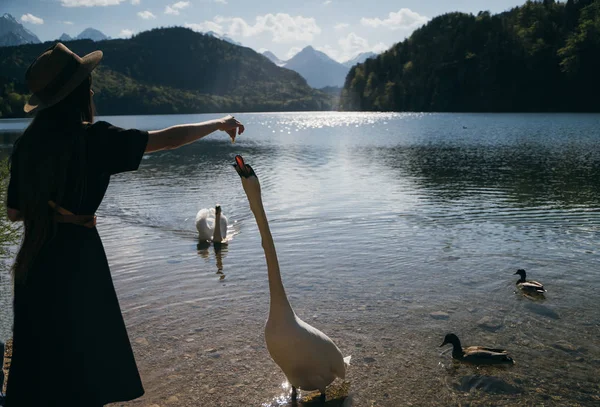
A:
88, 63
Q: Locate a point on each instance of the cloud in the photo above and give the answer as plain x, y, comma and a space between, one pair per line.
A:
146, 15
125, 33
405, 19
90, 3
221, 1
282, 27
205, 26
30, 18
341, 26
135, 2
174, 8
68, 22
327, 2
350, 46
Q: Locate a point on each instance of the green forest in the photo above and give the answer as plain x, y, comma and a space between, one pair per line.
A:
543, 56
168, 71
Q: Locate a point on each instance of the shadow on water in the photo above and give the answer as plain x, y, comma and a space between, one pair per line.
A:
488, 384
542, 310
528, 173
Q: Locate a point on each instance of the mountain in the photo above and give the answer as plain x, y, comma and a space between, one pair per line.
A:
223, 37
273, 58
317, 68
170, 71
65, 37
359, 59
13, 33
538, 57
91, 34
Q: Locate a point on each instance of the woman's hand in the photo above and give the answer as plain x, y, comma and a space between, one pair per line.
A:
231, 126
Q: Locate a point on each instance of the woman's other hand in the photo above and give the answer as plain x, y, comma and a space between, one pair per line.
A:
231, 126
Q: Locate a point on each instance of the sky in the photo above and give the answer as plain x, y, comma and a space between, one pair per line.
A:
340, 28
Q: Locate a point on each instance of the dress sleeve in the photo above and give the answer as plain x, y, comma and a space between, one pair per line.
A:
12, 194
117, 150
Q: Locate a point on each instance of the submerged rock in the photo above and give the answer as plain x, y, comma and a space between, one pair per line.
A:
439, 315
490, 324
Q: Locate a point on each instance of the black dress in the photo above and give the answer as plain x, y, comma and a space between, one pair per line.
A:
70, 345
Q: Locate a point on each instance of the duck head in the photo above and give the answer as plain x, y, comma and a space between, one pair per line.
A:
522, 273
249, 178
452, 339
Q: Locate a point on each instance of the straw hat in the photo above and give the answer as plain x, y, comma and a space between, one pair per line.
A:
55, 74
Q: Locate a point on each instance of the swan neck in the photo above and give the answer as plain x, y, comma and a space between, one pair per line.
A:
217, 232
279, 301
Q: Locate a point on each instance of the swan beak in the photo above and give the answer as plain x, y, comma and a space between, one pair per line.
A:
244, 170
443, 344
240, 166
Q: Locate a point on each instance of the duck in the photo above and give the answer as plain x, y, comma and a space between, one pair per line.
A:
206, 219
532, 287
476, 355
309, 359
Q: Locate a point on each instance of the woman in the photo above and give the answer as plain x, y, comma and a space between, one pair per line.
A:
70, 344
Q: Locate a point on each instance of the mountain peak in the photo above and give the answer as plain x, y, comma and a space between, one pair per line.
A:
92, 34
9, 17
13, 33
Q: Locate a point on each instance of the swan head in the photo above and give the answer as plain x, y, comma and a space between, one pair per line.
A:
522, 273
451, 338
248, 176
217, 209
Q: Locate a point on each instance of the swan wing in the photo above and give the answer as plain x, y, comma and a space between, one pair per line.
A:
205, 224
309, 358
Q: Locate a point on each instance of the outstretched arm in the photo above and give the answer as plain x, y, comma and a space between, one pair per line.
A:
180, 135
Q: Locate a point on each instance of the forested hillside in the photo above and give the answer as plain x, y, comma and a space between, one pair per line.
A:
171, 70
541, 57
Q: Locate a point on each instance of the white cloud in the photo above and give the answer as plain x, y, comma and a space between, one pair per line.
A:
125, 33
30, 18
175, 8
327, 2
205, 26
135, 2
404, 19
90, 3
68, 22
293, 51
146, 15
341, 26
221, 1
350, 46
283, 27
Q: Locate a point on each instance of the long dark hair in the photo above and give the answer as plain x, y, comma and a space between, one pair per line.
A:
50, 151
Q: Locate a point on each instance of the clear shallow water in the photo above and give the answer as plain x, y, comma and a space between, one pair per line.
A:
379, 221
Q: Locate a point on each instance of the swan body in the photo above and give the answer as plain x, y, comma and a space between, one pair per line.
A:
206, 219
529, 286
477, 355
309, 359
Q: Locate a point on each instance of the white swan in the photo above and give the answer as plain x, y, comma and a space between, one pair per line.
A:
206, 219
309, 358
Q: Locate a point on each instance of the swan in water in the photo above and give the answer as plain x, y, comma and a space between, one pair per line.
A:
206, 219
308, 358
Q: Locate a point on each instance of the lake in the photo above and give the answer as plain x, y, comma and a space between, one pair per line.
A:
391, 231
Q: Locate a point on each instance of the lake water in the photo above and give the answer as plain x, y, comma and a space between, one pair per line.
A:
391, 230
